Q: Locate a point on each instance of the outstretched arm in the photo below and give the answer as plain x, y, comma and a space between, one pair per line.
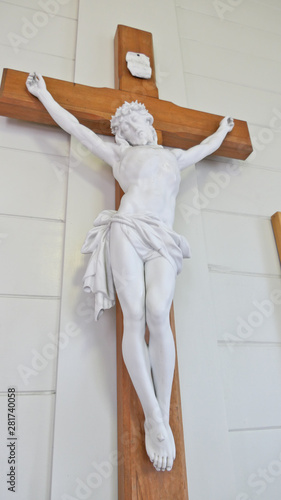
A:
106, 151
206, 147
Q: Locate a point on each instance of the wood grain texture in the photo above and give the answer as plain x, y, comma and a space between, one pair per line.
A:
276, 224
93, 107
133, 40
137, 478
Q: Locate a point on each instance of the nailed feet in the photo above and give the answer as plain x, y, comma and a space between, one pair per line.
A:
160, 444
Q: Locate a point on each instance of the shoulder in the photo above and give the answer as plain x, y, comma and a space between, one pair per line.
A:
179, 155
186, 158
110, 152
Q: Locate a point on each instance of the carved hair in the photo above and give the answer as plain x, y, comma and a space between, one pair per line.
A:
121, 114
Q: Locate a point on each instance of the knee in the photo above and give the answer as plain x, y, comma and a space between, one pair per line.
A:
133, 307
133, 316
157, 312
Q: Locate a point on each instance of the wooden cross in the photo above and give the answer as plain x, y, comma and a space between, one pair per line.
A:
176, 127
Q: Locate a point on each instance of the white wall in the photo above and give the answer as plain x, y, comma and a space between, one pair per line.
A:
32, 219
221, 57
231, 59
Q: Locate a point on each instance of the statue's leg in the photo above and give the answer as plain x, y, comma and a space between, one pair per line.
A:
128, 273
160, 279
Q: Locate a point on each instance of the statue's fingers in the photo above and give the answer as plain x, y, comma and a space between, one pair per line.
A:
29, 81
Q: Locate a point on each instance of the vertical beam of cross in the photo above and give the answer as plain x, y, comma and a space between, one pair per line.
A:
137, 478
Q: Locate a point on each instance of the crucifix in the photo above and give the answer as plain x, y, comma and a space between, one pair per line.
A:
179, 129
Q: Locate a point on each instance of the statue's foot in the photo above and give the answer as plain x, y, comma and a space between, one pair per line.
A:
171, 438
160, 444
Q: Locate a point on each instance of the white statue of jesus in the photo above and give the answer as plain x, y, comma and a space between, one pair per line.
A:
139, 250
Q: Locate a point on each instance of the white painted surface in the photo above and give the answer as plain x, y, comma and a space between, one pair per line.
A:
229, 237
206, 443
243, 70
25, 136
29, 334
31, 256
34, 415
32, 208
25, 29
87, 367
257, 464
231, 55
239, 188
38, 189
238, 100
252, 381
63, 8
247, 307
266, 144
244, 39
50, 65
254, 13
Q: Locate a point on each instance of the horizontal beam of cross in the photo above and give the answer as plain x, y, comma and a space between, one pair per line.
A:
93, 107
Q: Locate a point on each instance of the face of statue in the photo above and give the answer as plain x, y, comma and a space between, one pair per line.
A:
137, 130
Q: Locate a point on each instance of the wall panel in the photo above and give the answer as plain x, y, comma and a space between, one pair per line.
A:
257, 463
33, 171
35, 30
33, 449
33, 184
238, 188
232, 67
247, 308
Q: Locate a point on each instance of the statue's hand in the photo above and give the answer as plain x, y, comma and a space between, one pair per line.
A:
227, 123
35, 84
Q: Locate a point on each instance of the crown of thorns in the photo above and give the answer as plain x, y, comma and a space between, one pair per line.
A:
125, 110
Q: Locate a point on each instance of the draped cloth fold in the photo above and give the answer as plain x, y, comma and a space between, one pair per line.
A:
150, 237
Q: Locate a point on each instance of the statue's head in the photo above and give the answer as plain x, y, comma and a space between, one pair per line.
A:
132, 124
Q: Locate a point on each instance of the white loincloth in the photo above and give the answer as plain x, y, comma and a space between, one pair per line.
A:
149, 236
